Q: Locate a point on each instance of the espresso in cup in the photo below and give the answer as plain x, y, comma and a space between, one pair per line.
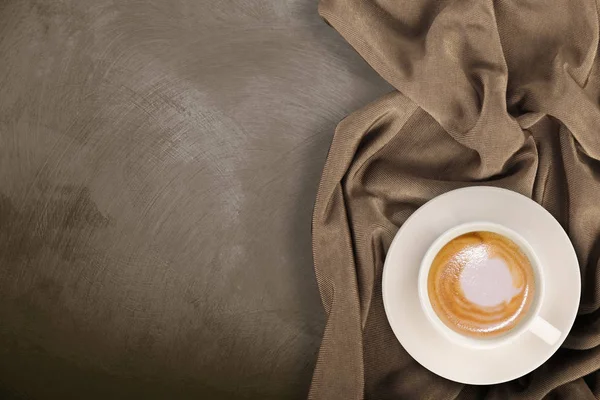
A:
481, 284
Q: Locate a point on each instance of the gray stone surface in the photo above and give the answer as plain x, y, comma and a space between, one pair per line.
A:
158, 166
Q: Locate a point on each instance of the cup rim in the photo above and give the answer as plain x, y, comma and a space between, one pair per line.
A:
439, 325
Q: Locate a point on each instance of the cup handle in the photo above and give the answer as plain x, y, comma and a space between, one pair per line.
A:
544, 330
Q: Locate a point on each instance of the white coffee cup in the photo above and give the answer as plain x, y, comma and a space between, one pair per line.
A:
532, 322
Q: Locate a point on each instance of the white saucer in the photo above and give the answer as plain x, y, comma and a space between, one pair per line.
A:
400, 292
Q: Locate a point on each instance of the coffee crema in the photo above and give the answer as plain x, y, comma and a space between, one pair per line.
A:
481, 284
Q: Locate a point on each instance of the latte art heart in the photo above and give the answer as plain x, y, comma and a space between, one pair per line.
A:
481, 284
488, 282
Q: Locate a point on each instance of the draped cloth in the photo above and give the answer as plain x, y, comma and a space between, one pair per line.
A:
502, 93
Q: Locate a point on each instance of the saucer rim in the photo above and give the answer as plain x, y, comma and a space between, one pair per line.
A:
452, 375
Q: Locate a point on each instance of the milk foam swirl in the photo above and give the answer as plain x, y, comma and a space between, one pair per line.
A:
481, 284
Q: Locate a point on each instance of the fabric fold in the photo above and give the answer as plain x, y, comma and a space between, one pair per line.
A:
502, 93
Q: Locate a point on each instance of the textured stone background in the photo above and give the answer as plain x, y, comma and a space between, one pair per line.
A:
158, 166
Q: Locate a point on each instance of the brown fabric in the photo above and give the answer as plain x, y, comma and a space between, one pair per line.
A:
502, 93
